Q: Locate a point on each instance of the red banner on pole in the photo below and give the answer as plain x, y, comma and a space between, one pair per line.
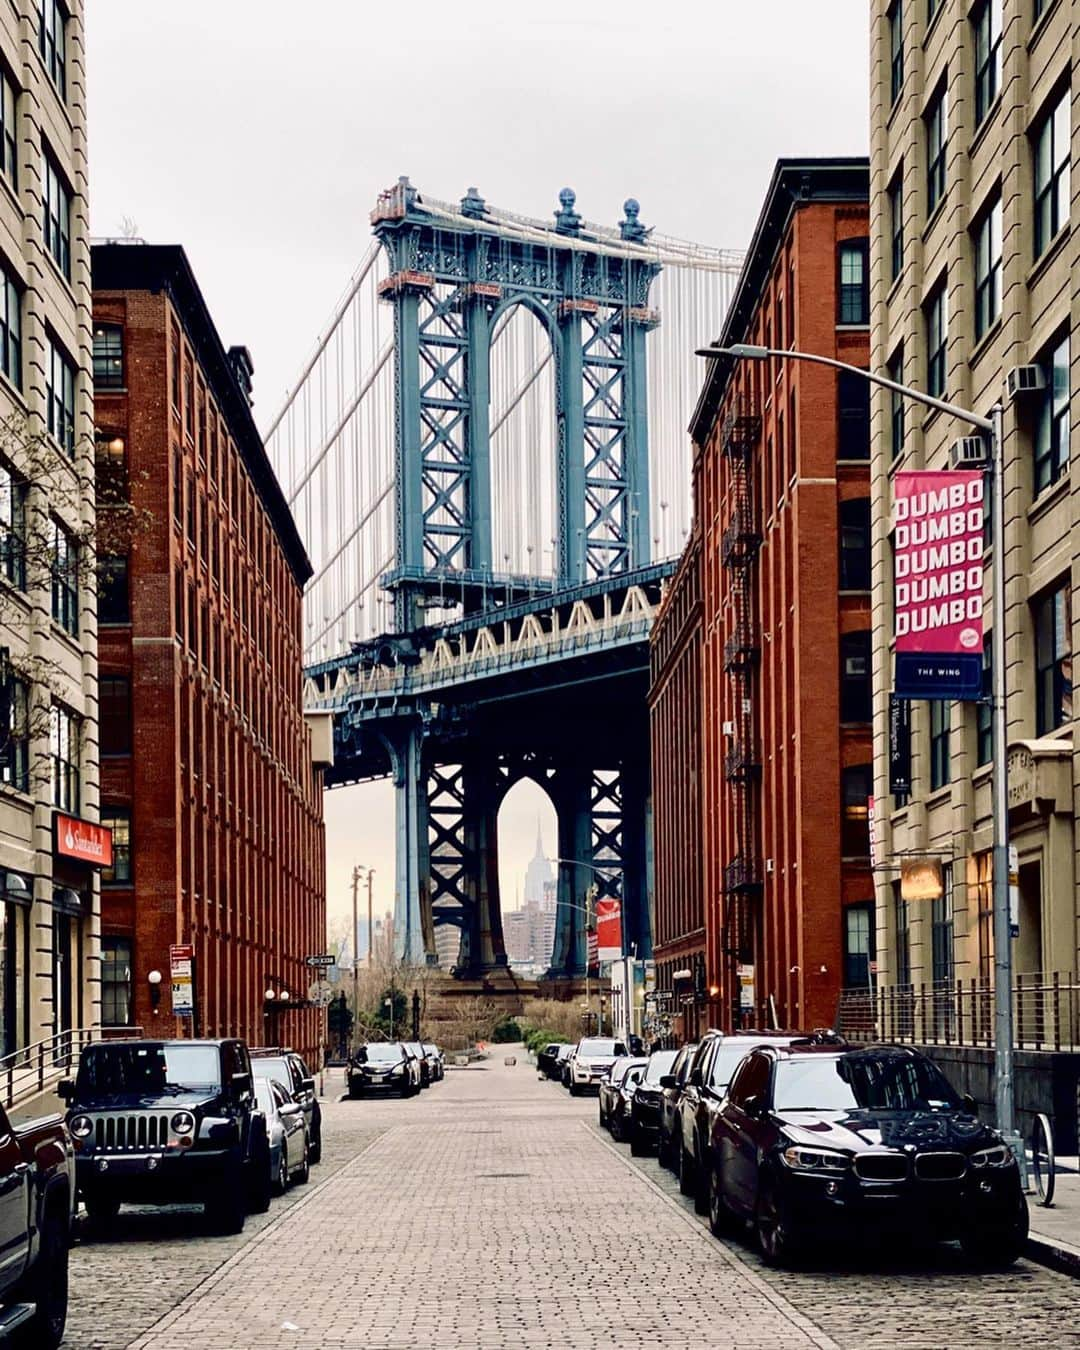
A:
609, 929
591, 947
938, 567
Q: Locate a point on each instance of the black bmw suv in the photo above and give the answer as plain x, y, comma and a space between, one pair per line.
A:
812, 1141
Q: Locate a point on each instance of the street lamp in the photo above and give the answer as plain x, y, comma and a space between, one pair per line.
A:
624, 954
992, 428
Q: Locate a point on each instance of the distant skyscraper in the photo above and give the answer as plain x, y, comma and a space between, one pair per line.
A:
539, 874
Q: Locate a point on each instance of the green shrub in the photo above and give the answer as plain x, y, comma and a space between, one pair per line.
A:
505, 1031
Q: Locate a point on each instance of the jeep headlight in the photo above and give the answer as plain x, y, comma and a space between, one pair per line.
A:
183, 1123
81, 1127
804, 1159
998, 1156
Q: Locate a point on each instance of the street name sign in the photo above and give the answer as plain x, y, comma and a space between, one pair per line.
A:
321, 959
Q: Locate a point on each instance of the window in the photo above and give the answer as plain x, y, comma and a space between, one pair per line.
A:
896, 49
940, 765
1053, 661
1052, 174
1052, 428
60, 397
896, 404
855, 691
988, 269
855, 281
10, 330
9, 136
178, 603
56, 215
65, 579
110, 466
896, 224
51, 42
115, 713
118, 819
113, 601
12, 527
853, 411
16, 761
987, 24
856, 787
108, 356
855, 544
116, 961
189, 403
937, 133
984, 709
190, 514
932, 7
1040, 6
941, 930
937, 337
903, 937
64, 749
859, 949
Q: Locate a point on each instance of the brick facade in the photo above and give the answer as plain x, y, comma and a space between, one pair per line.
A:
206, 752
782, 738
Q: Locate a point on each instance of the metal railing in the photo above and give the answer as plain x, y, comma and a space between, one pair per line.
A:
34, 1069
1046, 1013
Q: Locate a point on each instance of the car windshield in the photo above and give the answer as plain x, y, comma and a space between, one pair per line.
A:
264, 1096
862, 1082
147, 1070
379, 1054
565, 1051
600, 1047
271, 1068
659, 1064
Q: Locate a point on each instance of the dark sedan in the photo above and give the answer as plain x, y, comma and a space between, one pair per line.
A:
435, 1060
383, 1067
644, 1125
813, 1141
288, 1068
610, 1092
548, 1060
671, 1086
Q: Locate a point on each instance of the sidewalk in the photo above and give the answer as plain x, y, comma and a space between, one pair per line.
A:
1054, 1239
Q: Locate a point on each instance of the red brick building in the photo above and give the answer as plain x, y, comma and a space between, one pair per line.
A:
782, 518
206, 770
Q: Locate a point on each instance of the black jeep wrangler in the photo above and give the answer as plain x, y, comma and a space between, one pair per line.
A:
169, 1122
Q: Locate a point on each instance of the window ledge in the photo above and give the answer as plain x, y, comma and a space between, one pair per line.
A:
71, 640
935, 215
108, 390
17, 795
1049, 253
933, 24
1039, 27
1049, 497
858, 591
897, 104
932, 414
12, 194
63, 280
939, 797
863, 462
14, 392
853, 328
894, 285
982, 346
984, 126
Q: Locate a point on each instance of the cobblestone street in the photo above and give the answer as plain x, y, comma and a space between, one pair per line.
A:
492, 1212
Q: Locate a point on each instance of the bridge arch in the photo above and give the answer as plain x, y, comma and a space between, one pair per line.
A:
528, 815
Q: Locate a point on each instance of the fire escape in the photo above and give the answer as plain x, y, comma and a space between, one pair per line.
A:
741, 541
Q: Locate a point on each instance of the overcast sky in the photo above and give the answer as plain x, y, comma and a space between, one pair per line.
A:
257, 133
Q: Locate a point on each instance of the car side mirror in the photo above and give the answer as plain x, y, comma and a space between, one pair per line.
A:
754, 1104
668, 1080
241, 1083
307, 1084
969, 1103
695, 1078
65, 1089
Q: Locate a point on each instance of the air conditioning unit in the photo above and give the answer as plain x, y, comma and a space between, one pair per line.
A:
1025, 380
969, 452
770, 867
728, 728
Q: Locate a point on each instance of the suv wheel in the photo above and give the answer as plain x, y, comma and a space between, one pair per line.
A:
260, 1178
303, 1175
281, 1181
101, 1209
778, 1240
720, 1218
225, 1209
701, 1183
315, 1147
639, 1145
993, 1246
48, 1285
685, 1169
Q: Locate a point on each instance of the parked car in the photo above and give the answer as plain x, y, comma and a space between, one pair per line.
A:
565, 1062
610, 1084
718, 1056
383, 1066
37, 1198
168, 1122
435, 1059
549, 1061
619, 1111
671, 1086
644, 1124
286, 1128
591, 1061
416, 1050
289, 1069
812, 1140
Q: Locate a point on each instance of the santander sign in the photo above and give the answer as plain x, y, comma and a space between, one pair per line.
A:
83, 840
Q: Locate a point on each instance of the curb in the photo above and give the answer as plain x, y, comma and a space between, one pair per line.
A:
1054, 1253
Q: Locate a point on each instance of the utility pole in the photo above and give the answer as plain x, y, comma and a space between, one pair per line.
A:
356, 873
371, 873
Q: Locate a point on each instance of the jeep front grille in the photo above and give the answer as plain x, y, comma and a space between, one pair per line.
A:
132, 1132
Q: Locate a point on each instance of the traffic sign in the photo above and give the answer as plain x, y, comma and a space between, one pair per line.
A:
320, 993
321, 960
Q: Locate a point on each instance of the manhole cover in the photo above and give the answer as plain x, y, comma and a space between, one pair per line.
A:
500, 1176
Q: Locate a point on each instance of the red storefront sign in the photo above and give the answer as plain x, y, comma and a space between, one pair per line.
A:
609, 929
82, 840
938, 568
